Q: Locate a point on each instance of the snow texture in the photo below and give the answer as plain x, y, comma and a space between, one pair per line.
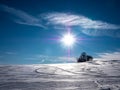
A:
92, 75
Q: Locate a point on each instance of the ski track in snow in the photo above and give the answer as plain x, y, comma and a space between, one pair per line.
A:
93, 75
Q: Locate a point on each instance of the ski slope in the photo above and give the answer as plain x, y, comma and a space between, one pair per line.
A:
93, 75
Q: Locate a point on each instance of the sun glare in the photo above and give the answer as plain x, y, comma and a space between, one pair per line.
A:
68, 40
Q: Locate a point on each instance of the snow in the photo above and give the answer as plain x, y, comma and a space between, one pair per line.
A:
93, 75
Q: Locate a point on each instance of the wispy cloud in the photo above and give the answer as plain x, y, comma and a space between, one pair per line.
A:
78, 20
22, 17
10, 53
89, 26
1, 56
102, 32
109, 56
59, 20
50, 59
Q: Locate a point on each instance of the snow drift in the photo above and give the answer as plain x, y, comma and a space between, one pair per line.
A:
92, 75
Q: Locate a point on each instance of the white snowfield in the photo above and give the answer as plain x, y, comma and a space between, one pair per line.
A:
93, 75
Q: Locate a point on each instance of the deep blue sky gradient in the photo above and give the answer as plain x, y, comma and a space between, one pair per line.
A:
18, 42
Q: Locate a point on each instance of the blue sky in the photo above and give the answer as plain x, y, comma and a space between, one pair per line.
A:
30, 30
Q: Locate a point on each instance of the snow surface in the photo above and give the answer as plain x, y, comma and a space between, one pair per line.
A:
93, 75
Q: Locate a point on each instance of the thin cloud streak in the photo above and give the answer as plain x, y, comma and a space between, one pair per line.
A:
10, 53
22, 17
103, 32
50, 59
78, 20
109, 56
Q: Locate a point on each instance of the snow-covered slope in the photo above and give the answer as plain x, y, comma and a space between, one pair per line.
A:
94, 75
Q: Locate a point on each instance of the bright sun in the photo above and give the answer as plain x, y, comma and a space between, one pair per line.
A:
68, 40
